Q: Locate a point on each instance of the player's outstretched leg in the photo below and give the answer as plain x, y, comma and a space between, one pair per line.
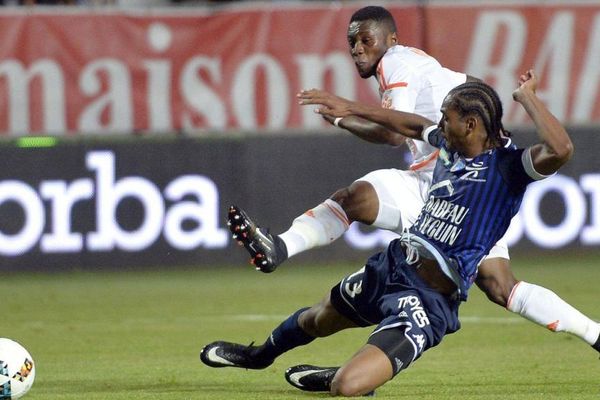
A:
311, 378
546, 308
267, 251
284, 337
225, 354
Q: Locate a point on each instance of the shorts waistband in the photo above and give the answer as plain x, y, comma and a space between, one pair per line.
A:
430, 273
432, 266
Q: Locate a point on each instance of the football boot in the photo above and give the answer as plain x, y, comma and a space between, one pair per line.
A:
310, 378
224, 354
267, 251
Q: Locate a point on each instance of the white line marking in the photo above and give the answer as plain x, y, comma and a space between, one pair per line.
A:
474, 319
471, 319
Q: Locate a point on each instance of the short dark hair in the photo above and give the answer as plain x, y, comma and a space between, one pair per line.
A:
375, 13
481, 99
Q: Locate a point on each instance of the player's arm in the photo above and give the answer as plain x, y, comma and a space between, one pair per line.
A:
556, 147
362, 128
367, 130
406, 124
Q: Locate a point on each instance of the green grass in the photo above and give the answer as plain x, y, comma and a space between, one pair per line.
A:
136, 335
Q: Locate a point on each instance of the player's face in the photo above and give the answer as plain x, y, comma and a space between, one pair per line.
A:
453, 126
368, 42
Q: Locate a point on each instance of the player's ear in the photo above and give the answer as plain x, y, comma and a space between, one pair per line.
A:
471, 123
392, 39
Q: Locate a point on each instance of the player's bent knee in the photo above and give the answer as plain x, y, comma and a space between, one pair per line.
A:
359, 201
351, 383
346, 386
365, 372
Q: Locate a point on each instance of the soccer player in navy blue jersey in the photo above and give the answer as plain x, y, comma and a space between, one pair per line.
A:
412, 291
411, 81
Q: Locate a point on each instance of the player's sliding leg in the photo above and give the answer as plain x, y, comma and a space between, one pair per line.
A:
366, 371
388, 352
285, 337
533, 302
401, 336
299, 329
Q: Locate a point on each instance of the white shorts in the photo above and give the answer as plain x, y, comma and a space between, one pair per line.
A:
402, 194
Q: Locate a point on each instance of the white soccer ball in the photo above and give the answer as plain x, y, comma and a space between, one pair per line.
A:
17, 370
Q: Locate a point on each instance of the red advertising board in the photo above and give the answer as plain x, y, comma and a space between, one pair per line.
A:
495, 42
165, 72
238, 68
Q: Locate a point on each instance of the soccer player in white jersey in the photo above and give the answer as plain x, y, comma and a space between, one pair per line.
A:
410, 81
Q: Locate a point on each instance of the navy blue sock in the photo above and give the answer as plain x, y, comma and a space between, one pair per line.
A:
286, 336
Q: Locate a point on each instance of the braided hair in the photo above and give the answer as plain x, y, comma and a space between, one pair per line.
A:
377, 14
481, 99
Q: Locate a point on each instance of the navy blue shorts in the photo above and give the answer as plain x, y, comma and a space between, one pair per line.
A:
387, 292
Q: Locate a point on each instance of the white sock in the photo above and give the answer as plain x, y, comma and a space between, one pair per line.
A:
545, 308
316, 227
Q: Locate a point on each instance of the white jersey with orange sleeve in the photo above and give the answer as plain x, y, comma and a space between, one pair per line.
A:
412, 81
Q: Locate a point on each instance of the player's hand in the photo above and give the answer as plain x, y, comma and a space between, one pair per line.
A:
330, 105
528, 83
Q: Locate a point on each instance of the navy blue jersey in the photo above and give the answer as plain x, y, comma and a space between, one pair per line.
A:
472, 201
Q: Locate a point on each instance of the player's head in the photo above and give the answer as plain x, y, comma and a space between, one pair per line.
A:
371, 32
470, 105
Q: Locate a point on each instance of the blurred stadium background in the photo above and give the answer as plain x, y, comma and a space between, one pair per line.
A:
128, 127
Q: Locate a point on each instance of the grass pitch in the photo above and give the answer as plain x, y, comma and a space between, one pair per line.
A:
137, 335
